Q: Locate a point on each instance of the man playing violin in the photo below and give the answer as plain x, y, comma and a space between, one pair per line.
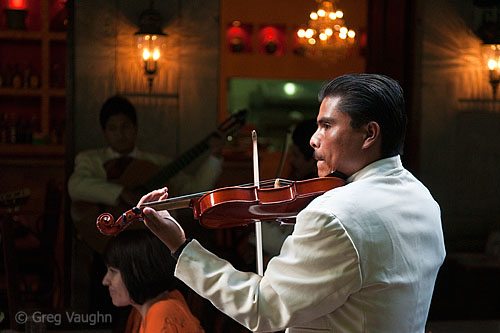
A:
362, 257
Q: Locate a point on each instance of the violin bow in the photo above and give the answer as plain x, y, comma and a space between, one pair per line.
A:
258, 224
284, 152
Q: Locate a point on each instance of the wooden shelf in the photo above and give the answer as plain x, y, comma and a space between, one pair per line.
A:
6, 91
32, 150
46, 55
32, 35
20, 35
52, 92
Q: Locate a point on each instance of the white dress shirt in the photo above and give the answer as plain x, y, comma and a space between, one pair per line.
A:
362, 258
89, 182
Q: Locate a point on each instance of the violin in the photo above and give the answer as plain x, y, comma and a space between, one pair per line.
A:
273, 200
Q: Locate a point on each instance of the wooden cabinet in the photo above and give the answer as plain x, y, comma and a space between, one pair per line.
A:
32, 121
32, 69
32, 104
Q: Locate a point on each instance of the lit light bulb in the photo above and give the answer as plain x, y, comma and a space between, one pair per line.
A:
289, 88
156, 54
17, 4
492, 64
326, 31
146, 37
146, 54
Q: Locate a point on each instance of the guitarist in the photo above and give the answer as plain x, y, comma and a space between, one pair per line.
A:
110, 177
107, 177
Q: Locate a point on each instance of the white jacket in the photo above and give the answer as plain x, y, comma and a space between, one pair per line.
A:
362, 258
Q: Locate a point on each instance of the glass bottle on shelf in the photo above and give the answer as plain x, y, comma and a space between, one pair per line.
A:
37, 136
12, 129
17, 78
3, 128
9, 72
34, 80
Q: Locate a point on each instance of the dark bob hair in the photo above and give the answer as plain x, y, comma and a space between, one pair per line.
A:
145, 263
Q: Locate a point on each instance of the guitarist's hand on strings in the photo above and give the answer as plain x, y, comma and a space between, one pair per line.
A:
161, 223
216, 143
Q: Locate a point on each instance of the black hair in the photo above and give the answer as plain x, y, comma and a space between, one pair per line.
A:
117, 105
145, 263
301, 137
372, 97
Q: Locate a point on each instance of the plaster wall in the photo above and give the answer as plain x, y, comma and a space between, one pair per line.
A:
460, 149
182, 106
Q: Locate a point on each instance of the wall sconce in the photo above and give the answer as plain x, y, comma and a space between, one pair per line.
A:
239, 37
16, 15
150, 41
491, 55
489, 32
272, 39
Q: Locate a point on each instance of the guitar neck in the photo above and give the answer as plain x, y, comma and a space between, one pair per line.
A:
229, 125
172, 169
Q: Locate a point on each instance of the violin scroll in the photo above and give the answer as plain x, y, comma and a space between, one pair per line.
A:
107, 225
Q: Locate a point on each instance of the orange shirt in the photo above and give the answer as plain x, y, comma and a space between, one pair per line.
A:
169, 315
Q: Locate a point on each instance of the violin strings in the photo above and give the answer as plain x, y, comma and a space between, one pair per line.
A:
269, 183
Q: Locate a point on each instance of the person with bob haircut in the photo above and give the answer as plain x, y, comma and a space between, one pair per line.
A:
140, 272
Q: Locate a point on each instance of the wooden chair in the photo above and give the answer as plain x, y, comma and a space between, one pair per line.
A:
31, 274
37, 266
10, 203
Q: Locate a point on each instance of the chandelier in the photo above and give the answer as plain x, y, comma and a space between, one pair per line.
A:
326, 33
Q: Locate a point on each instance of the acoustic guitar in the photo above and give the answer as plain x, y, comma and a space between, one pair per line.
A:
143, 177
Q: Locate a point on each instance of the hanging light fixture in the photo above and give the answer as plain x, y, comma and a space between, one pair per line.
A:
150, 41
326, 33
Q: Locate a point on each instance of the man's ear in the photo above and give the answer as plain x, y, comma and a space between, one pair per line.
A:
372, 134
